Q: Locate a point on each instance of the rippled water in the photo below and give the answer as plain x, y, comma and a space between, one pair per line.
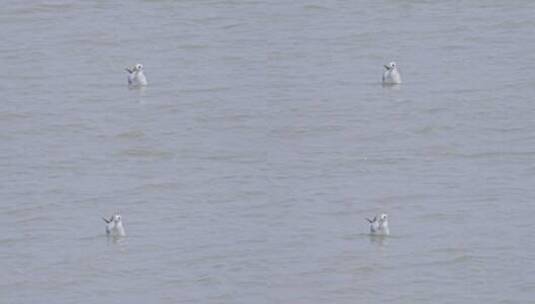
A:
245, 170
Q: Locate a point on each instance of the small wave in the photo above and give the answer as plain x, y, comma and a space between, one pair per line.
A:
458, 259
315, 7
206, 89
10, 116
493, 154
147, 153
432, 129
159, 186
131, 134
45, 8
231, 26
193, 46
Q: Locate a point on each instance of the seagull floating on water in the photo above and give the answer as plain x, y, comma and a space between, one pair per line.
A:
379, 226
114, 226
136, 78
391, 75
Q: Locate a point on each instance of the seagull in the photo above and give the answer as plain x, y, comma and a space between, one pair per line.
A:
136, 78
114, 226
379, 226
391, 75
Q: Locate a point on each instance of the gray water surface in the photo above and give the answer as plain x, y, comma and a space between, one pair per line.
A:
244, 171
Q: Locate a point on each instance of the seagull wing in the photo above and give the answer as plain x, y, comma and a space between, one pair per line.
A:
372, 221
107, 221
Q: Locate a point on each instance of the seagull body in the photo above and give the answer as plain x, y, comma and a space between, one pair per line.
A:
136, 78
114, 226
379, 226
391, 75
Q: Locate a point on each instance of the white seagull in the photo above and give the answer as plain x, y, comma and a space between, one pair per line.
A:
114, 226
136, 78
379, 226
391, 75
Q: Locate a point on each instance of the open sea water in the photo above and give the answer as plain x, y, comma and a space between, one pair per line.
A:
244, 171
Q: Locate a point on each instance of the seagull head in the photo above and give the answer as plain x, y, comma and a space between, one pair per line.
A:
390, 66
116, 218
138, 67
383, 218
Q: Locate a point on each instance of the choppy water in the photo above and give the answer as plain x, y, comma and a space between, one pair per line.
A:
246, 168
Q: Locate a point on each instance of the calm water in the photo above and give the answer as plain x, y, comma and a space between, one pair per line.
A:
245, 170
